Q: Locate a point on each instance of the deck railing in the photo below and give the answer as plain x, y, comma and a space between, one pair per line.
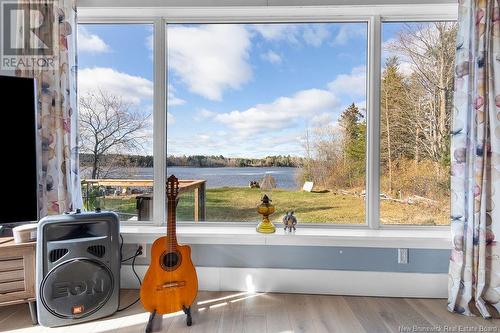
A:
185, 185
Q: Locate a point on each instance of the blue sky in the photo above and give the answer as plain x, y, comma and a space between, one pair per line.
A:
234, 90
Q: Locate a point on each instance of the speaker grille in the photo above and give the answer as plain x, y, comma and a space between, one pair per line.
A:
97, 250
57, 254
82, 283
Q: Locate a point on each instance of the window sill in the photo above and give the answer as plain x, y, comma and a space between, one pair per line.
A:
246, 235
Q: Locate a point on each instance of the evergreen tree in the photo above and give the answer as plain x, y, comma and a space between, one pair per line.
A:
354, 143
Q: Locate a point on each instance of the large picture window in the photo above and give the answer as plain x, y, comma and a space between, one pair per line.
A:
287, 101
347, 118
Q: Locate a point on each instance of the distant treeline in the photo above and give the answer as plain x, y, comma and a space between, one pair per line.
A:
195, 161
119, 160
221, 161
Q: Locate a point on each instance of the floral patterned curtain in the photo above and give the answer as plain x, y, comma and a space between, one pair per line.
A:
474, 275
59, 187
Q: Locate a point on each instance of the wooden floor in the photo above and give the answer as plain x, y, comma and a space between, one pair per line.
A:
244, 312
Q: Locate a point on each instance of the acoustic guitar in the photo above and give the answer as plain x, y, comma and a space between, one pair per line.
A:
170, 283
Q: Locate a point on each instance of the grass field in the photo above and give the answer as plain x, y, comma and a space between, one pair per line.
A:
239, 204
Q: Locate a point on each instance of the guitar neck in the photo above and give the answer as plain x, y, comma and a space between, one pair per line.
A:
171, 224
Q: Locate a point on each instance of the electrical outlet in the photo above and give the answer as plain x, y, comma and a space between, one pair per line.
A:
402, 256
144, 250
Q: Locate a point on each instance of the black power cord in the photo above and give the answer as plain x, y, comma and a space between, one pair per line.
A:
138, 252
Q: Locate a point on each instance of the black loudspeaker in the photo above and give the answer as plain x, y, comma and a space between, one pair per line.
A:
78, 268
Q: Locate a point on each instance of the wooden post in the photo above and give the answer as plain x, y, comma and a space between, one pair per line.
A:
87, 196
201, 199
196, 204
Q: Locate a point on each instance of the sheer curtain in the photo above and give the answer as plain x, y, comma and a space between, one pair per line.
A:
59, 187
474, 275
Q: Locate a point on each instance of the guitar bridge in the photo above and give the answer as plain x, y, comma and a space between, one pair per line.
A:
172, 284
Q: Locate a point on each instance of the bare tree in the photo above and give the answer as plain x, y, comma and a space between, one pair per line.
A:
330, 162
431, 51
108, 126
308, 151
395, 141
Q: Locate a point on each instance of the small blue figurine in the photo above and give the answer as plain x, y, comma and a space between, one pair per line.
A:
289, 221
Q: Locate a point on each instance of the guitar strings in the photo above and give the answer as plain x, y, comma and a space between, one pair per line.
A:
172, 192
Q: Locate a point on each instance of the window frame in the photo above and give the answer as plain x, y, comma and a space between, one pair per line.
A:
373, 16
159, 120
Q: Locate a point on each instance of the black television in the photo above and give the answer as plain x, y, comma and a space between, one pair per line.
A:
18, 165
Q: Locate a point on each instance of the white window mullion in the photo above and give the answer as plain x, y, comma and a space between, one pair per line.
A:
373, 124
159, 121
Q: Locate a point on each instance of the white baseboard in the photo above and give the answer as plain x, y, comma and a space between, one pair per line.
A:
308, 281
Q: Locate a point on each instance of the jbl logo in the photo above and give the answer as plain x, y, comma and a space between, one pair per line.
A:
74, 288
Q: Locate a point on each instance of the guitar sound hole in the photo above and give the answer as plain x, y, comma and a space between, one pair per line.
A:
170, 260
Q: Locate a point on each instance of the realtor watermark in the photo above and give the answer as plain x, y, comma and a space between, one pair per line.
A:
28, 36
446, 328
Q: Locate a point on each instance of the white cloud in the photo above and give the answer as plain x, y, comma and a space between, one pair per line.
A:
287, 139
173, 100
361, 105
322, 119
277, 32
204, 114
130, 88
349, 31
311, 34
386, 45
271, 57
315, 34
405, 67
199, 143
150, 42
210, 58
352, 84
150, 45
91, 43
282, 113
170, 119
215, 143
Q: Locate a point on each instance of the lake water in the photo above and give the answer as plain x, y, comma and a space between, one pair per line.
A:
220, 177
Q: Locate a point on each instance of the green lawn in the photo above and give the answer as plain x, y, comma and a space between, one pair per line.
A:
239, 204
